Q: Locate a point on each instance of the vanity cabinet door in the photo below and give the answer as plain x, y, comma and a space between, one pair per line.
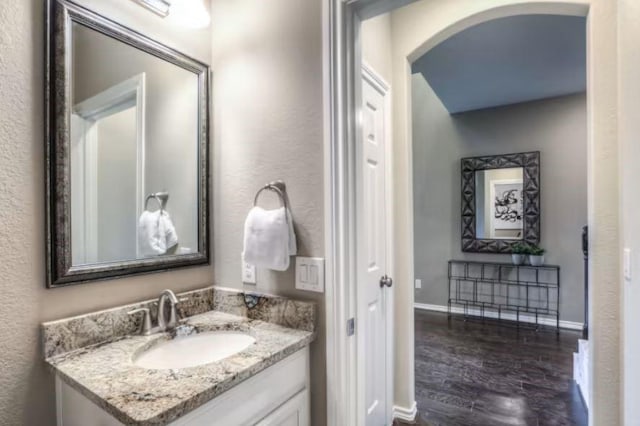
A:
294, 412
278, 395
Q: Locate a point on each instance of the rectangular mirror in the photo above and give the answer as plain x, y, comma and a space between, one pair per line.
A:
127, 154
500, 202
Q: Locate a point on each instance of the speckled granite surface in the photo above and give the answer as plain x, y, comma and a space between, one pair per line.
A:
104, 371
69, 334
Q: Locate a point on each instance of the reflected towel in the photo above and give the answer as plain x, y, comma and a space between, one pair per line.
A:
156, 233
269, 238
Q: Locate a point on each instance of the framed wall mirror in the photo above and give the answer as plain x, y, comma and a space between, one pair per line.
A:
500, 202
127, 151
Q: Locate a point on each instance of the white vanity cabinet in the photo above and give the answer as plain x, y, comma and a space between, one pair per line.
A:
277, 396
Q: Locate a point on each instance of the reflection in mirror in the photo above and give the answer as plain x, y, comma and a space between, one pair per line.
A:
499, 203
134, 132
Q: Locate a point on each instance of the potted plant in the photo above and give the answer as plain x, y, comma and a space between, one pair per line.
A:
536, 256
519, 252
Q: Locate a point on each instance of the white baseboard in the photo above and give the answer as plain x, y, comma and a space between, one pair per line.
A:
405, 414
570, 325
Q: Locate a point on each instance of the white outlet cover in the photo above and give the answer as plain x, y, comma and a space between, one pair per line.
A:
248, 273
418, 283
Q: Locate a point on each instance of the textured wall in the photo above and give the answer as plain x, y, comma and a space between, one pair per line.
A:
423, 24
555, 127
26, 387
629, 34
268, 125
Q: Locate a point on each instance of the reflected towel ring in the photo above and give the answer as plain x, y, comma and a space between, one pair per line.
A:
160, 197
273, 186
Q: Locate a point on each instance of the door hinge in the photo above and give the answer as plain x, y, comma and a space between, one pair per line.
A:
351, 326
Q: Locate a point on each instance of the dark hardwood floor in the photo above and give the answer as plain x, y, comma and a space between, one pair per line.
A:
489, 374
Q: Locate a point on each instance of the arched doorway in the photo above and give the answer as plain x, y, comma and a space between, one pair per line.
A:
451, 17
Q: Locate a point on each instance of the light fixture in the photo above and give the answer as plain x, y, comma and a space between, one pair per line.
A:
189, 13
160, 7
186, 13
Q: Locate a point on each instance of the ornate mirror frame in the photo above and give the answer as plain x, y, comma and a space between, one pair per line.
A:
58, 104
530, 163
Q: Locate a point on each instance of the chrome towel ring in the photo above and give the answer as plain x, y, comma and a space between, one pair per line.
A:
160, 197
278, 187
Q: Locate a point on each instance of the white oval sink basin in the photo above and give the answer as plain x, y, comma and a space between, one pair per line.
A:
193, 350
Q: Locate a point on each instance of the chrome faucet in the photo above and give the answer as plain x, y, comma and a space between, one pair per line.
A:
163, 323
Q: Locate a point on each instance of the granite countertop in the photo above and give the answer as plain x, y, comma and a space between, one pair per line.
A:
105, 373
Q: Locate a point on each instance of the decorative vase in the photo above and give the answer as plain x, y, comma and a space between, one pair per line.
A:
536, 260
517, 259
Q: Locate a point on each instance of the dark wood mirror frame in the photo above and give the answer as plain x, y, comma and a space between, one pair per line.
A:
60, 271
530, 163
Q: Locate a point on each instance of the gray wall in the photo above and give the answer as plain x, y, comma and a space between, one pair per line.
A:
555, 127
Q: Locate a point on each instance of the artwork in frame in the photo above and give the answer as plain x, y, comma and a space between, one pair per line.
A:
476, 201
506, 208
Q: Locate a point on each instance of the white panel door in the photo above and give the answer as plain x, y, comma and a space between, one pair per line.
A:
372, 256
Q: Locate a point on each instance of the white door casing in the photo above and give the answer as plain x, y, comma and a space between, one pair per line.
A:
372, 210
84, 152
84, 191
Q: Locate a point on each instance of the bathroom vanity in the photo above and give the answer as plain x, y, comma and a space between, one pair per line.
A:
224, 364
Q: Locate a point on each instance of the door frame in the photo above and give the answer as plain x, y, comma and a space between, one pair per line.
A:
116, 98
369, 74
341, 50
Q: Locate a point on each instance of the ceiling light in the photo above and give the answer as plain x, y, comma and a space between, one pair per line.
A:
160, 7
189, 13
186, 13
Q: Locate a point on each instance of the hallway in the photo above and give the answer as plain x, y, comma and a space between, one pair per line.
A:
470, 373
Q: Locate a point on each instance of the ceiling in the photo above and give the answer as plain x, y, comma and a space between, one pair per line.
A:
506, 61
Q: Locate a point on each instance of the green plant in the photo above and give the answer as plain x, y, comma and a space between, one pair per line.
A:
520, 248
536, 251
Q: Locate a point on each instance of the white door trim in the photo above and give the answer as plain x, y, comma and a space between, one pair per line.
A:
341, 99
128, 93
339, 219
407, 414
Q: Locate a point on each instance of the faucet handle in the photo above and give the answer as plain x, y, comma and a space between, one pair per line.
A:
146, 321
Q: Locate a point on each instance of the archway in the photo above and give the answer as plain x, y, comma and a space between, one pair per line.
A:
449, 18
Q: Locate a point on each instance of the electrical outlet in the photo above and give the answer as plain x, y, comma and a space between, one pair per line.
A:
418, 283
248, 273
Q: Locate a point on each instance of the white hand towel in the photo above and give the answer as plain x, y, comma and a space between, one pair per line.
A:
293, 245
156, 233
269, 238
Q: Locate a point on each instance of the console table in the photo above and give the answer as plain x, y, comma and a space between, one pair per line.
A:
486, 288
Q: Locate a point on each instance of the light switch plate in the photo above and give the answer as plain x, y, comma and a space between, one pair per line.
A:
310, 274
418, 283
248, 273
627, 264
